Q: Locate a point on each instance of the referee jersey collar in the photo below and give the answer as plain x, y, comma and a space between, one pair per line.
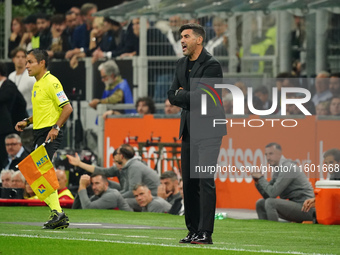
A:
47, 73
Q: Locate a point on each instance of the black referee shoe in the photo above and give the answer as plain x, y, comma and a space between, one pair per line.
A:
57, 221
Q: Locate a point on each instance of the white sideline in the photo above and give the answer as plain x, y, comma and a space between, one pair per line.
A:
154, 244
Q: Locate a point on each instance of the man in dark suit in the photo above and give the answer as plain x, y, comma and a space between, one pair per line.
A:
12, 107
200, 139
15, 151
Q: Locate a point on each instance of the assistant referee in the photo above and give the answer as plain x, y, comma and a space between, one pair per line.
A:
51, 109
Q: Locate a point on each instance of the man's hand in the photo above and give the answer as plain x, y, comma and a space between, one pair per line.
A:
73, 160
256, 175
85, 180
20, 126
52, 135
94, 103
161, 192
308, 204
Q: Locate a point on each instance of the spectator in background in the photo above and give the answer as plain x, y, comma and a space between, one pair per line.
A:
157, 43
31, 36
169, 188
12, 108
18, 180
17, 31
170, 109
15, 151
63, 191
133, 171
263, 94
147, 202
174, 36
322, 88
115, 41
43, 26
218, 46
103, 198
334, 84
81, 35
322, 108
6, 178
59, 40
292, 186
79, 19
145, 105
21, 78
71, 23
332, 161
334, 106
117, 89
28, 192
96, 37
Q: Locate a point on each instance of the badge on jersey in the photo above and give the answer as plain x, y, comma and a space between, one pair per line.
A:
34, 93
62, 97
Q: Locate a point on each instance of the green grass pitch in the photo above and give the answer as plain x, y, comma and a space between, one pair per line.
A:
230, 237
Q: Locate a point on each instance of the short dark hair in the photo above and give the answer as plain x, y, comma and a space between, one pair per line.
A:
3, 69
104, 178
58, 19
43, 16
149, 102
196, 28
276, 145
16, 50
126, 150
169, 175
333, 152
138, 185
40, 55
30, 19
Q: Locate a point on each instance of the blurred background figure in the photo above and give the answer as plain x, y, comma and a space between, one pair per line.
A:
6, 178
63, 191
17, 29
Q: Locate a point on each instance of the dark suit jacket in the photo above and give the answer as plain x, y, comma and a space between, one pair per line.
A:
8, 109
206, 66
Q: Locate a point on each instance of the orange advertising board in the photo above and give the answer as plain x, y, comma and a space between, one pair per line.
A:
302, 140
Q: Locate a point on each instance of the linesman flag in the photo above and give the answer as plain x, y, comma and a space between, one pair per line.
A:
39, 172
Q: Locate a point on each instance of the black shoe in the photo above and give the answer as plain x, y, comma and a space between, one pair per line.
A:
57, 221
188, 238
202, 238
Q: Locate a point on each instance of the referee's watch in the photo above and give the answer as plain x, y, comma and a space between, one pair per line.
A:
55, 126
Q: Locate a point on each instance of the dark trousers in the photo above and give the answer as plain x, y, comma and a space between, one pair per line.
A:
199, 189
40, 137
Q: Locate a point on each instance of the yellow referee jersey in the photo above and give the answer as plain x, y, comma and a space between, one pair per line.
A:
48, 98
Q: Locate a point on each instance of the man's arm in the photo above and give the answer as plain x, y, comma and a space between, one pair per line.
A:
65, 114
122, 204
275, 189
75, 161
